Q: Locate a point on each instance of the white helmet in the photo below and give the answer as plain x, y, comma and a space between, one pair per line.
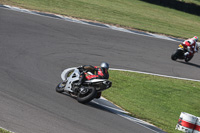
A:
104, 65
195, 38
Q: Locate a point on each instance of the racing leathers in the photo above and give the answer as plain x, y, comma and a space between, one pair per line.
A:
191, 46
89, 72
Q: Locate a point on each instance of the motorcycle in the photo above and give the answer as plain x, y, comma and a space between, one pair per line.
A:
85, 92
179, 54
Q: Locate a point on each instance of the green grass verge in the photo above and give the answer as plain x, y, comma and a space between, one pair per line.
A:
157, 100
197, 2
4, 131
125, 13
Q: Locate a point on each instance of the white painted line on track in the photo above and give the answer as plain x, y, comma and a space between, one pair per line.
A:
101, 25
111, 108
155, 74
125, 115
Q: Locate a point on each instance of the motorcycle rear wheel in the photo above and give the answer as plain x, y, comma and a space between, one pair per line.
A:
85, 98
188, 58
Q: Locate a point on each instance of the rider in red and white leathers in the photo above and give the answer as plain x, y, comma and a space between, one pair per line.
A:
89, 72
94, 72
191, 46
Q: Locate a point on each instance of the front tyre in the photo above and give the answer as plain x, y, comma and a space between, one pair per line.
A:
87, 97
60, 88
174, 56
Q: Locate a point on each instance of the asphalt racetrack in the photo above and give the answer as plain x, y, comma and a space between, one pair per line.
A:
34, 50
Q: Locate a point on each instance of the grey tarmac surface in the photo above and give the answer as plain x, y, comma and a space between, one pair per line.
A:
34, 50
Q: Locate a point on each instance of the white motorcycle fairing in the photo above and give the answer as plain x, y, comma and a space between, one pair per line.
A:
74, 76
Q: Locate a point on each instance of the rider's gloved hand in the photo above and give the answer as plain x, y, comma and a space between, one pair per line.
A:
80, 68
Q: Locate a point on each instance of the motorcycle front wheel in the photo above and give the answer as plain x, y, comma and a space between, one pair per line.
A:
174, 57
87, 97
60, 88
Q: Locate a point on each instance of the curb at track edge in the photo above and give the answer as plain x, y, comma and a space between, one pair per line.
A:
65, 18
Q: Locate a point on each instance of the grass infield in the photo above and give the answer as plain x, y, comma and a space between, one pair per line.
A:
157, 100
4, 131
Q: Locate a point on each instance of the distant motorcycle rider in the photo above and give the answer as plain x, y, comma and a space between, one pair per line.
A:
191, 46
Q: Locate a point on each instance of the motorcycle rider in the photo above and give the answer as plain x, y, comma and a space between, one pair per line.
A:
191, 45
89, 72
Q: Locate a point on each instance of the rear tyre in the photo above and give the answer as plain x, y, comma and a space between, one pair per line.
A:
188, 58
60, 88
87, 97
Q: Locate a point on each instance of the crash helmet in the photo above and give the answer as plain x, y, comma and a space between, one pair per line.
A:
104, 65
195, 38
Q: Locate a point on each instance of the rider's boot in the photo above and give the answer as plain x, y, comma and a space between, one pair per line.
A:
186, 54
98, 95
81, 78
